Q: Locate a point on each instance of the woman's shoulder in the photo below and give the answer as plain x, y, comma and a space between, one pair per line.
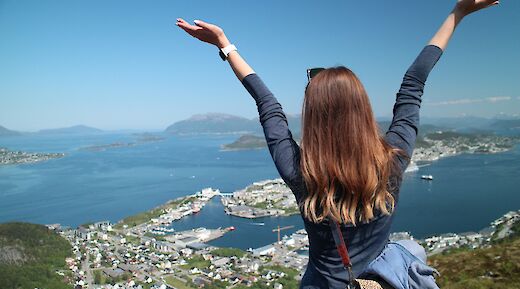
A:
379, 217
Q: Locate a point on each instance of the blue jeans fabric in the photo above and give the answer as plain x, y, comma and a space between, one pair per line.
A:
402, 264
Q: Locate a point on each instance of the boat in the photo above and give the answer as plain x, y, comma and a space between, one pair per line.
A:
427, 177
258, 224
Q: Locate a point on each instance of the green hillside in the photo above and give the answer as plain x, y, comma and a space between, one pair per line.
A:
30, 254
495, 267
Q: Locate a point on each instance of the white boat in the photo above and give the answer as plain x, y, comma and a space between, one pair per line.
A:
427, 177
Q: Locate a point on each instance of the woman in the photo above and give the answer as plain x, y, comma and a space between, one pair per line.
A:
344, 171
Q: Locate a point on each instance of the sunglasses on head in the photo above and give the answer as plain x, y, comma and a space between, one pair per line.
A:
312, 72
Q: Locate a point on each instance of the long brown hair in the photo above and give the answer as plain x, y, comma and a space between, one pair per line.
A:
345, 162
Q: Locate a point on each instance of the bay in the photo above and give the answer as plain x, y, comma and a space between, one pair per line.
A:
467, 193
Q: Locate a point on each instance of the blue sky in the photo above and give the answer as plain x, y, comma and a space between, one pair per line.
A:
124, 64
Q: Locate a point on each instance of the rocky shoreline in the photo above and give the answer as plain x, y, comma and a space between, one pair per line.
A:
8, 157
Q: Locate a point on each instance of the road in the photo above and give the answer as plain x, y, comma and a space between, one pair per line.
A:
85, 267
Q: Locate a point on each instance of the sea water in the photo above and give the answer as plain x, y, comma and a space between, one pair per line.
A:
467, 193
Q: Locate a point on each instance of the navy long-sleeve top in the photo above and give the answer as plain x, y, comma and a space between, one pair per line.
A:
364, 241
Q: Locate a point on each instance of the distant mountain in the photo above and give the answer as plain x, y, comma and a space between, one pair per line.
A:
77, 129
463, 122
507, 126
220, 123
214, 123
7, 132
470, 124
217, 123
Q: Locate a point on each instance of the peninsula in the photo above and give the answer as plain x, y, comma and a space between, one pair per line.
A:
261, 199
436, 145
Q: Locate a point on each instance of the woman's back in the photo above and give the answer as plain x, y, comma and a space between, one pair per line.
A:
365, 240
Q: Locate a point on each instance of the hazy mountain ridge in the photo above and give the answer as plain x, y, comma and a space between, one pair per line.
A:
496, 125
213, 123
7, 132
221, 123
76, 129
507, 125
217, 123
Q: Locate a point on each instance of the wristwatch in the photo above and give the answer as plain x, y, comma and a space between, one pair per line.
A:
224, 52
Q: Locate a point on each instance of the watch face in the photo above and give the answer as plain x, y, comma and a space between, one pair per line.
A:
222, 55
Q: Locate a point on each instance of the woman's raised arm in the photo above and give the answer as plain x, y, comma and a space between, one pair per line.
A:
284, 150
403, 129
461, 10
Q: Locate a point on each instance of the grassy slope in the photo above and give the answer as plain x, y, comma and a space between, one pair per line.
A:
43, 253
495, 267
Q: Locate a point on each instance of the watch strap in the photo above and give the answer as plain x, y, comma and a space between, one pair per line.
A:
224, 52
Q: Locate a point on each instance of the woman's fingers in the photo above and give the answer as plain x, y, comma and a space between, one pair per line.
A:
491, 2
201, 24
466, 7
185, 25
487, 3
181, 22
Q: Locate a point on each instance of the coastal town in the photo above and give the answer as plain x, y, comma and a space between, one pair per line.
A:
143, 251
8, 157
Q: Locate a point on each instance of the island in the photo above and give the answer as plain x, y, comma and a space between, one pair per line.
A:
246, 142
8, 157
142, 138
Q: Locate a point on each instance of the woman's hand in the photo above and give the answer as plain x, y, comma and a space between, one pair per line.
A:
213, 34
466, 7
205, 32
462, 9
